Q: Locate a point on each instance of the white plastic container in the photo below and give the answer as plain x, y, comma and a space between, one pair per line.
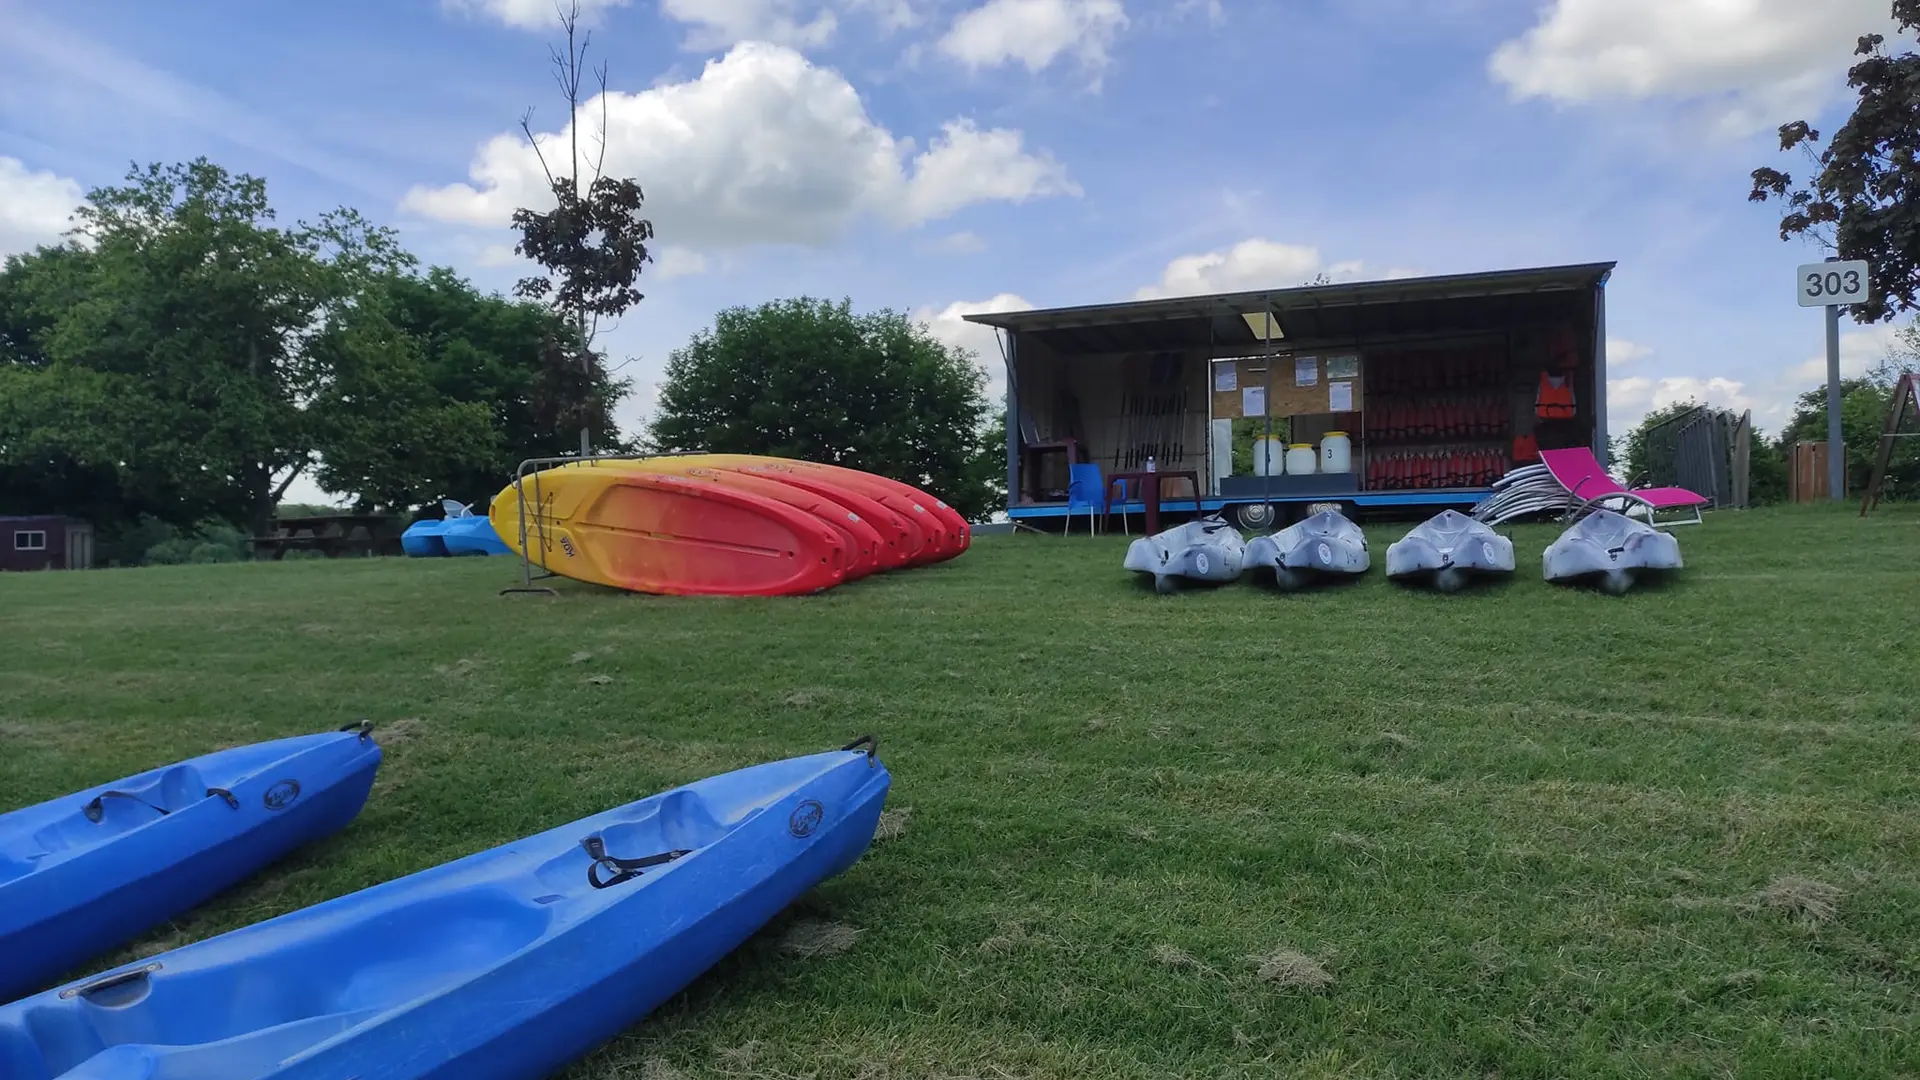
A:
1336, 452
1269, 455
1301, 460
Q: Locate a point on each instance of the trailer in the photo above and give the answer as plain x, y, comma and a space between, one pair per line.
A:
1414, 392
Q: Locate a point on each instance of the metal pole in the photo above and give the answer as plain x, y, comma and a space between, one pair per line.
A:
1836, 451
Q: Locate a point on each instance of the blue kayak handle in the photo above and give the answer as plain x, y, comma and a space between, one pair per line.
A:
871, 743
108, 982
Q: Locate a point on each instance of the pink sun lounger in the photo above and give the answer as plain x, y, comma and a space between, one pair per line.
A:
1580, 473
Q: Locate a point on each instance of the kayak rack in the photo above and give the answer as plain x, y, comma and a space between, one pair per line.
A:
528, 476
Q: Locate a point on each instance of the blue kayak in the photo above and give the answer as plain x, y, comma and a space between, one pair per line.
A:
472, 535
90, 871
509, 963
426, 539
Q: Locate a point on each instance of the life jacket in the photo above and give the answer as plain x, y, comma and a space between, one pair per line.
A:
1555, 400
1526, 448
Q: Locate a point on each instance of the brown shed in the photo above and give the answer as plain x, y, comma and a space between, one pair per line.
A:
45, 542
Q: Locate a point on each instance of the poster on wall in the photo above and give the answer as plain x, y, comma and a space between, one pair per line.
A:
1253, 401
1226, 378
1306, 371
1339, 396
1343, 367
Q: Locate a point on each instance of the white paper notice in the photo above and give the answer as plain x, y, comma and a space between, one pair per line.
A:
1253, 401
1226, 378
1306, 371
1339, 397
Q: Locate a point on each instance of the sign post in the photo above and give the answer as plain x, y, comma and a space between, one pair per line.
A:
1829, 285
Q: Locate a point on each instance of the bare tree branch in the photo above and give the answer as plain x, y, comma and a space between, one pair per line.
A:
526, 125
599, 162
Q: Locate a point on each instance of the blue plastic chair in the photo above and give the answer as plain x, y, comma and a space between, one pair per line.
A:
1085, 491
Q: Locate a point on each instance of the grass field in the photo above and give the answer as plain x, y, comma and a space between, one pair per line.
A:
1363, 832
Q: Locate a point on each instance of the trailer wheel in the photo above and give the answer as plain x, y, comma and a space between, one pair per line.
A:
1253, 516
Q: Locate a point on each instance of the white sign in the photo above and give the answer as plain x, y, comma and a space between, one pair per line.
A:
1823, 284
1339, 397
1253, 401
1226, 378
1306, 371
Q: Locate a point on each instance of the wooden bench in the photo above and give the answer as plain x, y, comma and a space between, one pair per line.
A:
332, 535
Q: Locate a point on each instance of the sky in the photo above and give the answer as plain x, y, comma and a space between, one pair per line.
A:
942, 157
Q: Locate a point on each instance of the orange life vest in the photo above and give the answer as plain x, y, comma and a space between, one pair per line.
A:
1555, 400
1526, 448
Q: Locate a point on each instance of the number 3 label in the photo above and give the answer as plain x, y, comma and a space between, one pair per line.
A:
1822, 284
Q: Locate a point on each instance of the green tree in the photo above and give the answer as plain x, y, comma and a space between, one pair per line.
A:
203, 356
507, 355
1863, 200
808, 378
1863, 414
590, 246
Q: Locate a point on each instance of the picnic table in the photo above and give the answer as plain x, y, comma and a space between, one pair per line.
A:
332, 535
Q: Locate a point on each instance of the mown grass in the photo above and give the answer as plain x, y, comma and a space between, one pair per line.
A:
1366, 832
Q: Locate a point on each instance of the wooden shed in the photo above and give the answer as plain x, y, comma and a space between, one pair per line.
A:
45, 542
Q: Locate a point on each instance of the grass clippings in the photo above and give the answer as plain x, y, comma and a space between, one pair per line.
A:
1292, 970
1801, 898
893, 824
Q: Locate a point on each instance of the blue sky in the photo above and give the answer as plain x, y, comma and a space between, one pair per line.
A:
942, 156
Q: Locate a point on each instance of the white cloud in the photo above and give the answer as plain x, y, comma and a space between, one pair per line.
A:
35, 206
1621, 352
1252, 264
716, 24
1770, 396
673, 262
529, 14
1034, 33
763, 147
1860, 352
498, 255
949, 325
1756, 63
961, 243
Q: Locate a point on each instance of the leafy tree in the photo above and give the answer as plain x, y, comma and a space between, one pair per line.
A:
508, 356
1863, 200
810, 379
591, 245
1863, 413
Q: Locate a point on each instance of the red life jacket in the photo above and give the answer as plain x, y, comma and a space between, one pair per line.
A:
1555, 400
1526, 448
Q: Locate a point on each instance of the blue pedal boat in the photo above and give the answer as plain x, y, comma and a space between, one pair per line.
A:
508, 963
90, 871
472, 535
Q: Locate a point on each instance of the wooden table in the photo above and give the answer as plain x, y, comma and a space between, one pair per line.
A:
333, 535
1150, 482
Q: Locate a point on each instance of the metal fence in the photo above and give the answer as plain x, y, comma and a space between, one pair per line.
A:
1704, 450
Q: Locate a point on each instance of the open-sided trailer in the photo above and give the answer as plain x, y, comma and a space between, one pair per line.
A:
1440, 384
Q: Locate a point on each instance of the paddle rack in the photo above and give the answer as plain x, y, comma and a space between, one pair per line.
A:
1905, 393
526, 480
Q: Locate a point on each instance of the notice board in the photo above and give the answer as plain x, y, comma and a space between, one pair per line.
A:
1288, 384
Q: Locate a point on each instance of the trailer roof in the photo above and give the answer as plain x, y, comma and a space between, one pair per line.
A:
1311, 312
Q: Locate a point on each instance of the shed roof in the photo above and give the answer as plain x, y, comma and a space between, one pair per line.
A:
1312, 313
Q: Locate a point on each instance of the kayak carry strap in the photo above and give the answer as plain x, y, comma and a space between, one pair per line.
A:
620, 869
95, 810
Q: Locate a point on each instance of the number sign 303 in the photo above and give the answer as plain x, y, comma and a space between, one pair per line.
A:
1822, 284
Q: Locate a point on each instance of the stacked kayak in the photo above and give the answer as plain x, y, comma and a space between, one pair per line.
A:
722, 524
509, 963
460, 532
82, 874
